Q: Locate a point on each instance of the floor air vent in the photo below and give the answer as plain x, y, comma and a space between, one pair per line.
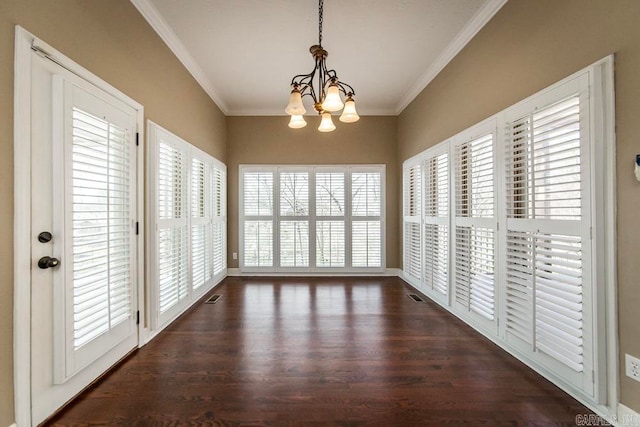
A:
416, 298
213, 299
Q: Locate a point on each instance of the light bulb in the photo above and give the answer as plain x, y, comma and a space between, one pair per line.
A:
297, 122
295, 106
349, 114
326, 125
332, 101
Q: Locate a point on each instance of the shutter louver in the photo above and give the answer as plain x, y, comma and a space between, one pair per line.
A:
544, 268
366, 228
258, 194
101, 226
330, 219
543, 164
330, 243
219, 220
519, 286
172, 245
294, 243
330, 194
172, 272
258, 232
294, 234
258, 243
412, 218
475, 232
366, 244
412, 260
201, 229
436, 228
558, 298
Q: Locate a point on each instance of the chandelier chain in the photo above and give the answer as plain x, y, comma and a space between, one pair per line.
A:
320, 13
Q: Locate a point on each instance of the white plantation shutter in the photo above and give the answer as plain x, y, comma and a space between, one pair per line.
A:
219, 219
547, 237
330, 219
436, 224
173, 283
94, 218
299, 218
201, 226
189, 210
366, 225
529, 283
412, 219
366, 246
294, 243
102, 214
475, 226
258, 212
294, 219
173, 233
330, 248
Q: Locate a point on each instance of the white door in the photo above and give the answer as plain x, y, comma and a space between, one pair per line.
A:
84, 253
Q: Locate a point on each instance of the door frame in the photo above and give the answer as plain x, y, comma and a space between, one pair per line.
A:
25, 44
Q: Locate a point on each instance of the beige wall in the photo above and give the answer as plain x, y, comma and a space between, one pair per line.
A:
111, 39
268, 140
527, 46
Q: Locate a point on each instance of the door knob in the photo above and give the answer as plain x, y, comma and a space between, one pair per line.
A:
48, 262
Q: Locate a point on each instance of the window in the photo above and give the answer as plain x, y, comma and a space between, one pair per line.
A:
475, 223
301, 218
189, 213
412, 219
528, 282
436, 223
547, 248
330, 219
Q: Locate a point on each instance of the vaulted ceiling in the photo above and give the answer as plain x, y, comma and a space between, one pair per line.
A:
245, 52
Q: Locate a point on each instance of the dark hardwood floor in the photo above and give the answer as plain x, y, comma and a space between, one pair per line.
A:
321, 351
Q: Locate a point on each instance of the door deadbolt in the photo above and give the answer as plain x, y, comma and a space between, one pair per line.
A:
44, 237
48, 262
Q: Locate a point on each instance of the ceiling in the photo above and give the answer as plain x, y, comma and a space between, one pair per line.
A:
245, 52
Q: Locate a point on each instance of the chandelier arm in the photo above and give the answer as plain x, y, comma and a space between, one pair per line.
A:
346, 88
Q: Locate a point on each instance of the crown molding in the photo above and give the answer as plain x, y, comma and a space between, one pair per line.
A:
153, 17
280, 112
478, 21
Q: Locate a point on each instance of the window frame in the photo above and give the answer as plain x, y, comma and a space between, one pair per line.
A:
157, 320
312, 218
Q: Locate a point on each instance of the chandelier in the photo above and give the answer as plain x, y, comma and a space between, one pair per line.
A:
324, 87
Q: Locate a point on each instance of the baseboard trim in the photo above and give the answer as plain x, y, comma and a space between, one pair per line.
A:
391, 272
627, 416
14, 425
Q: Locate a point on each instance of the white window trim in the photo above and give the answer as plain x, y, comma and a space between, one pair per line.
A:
605, 400
154, 322
275, 218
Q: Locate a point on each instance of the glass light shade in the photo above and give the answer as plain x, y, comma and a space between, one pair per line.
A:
297, 122
295, 106
326, 125
349, 114
332, 101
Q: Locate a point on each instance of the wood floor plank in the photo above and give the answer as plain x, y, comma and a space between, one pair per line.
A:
316, 352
